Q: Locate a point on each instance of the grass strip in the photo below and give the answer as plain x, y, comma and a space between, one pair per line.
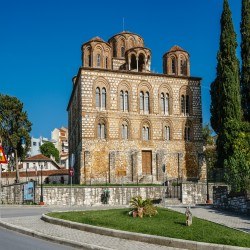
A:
166, 223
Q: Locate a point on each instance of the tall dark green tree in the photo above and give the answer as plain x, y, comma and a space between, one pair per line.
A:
245, 56
225, 89
14, 128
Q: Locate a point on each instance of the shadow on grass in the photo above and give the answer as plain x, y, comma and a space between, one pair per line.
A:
180, 223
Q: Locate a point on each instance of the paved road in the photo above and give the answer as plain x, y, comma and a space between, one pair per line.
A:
11, 240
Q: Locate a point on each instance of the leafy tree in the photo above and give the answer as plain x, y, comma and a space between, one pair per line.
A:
245, 56
225, 89
48, 149
237, 165
14, 128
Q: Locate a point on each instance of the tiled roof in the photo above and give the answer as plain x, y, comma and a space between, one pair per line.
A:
39, 157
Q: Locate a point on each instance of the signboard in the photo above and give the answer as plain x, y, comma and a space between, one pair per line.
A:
71, 171
28, 191
2, 156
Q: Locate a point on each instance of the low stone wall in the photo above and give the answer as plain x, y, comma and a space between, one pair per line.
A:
238, 203
81, 195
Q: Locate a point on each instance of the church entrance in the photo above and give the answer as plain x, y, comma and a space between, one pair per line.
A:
146, 162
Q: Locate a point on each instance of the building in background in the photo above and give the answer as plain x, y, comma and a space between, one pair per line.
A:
35, 145
129, 125
60, 137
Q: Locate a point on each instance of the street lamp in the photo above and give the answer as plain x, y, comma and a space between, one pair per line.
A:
208, 200
41, 195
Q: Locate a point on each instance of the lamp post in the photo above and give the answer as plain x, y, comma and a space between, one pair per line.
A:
41, 195
208, 200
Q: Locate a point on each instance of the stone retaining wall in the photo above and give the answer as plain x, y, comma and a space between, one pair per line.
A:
238, 203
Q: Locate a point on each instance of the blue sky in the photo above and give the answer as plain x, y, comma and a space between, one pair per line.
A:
40, 45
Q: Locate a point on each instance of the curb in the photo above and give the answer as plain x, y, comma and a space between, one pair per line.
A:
158, 240
51, 238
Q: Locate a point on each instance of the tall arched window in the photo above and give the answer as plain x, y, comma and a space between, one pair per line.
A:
97, 97
103, 103
89, 60
98, 60
123, 100
141, 101
124, 131
126, 101
182, 67
173, 65
187, 135
101, 133
106, 62
165, 103
185, 105
146, 101
100, 98
167, 133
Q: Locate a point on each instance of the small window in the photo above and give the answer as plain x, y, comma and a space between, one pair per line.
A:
145, 133
27, 165
124, 131
34, 143
162, 103
101, 131
126, 101
182, 104
167, 133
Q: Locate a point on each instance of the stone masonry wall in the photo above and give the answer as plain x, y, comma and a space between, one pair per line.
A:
107, 160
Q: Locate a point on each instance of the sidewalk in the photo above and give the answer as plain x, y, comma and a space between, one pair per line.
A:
226, 218
34, 226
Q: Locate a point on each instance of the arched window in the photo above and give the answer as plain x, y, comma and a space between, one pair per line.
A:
141, 101
187, 135
165, 103
122, 51
98, 60
114, 49
121, 100
167, 133
162, 103
185, 105
173, 65
97, 97
126, 101
145, 133
103, 103
101, 133
89, 60
182, 67
124, 131
146, 101
106, 62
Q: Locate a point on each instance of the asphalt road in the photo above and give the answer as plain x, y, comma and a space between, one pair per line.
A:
11, 240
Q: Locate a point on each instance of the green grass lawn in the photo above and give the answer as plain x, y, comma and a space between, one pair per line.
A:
166, 223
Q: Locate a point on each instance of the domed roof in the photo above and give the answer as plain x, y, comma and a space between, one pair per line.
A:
96, 38
176, 48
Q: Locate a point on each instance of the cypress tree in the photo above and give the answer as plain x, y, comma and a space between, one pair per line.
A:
245, 56
225, 89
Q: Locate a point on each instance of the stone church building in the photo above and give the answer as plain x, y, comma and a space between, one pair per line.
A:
126, 123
